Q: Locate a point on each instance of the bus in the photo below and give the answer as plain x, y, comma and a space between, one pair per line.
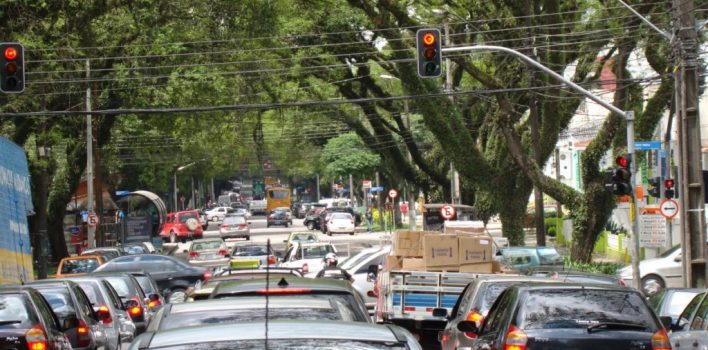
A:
278, 197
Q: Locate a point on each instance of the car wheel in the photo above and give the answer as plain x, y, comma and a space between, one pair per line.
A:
248, 238
215, 219
329, 233
177, 296
311, 226
173, 237
351, 233
652, 284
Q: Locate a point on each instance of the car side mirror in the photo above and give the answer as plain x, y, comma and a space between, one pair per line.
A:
467, 327
371, 294
154, 297
70, 322
678, 258
371, 277
439, 312
666, 321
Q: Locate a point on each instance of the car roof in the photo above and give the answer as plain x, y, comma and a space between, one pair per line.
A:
201, 240
50, 283
511, 278
248, 302
277, 329
81, 257
314, 284
571, 285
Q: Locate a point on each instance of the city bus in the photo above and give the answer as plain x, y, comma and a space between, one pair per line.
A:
278, 197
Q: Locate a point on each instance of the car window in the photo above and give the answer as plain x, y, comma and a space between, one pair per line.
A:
92, 292
79, 265
46, 311
124, 290
690, 310
233, 220
208, 245
678, 302
278, 194
84, 305
60, 301
341, 216
493, 322
112, 295
145, 284
580, 308
378, 260
462, 301
656, 300
183, 217
489, 295
318, 251
700, 321
250, 250
16, 312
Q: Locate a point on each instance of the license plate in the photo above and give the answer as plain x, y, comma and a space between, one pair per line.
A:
208, 256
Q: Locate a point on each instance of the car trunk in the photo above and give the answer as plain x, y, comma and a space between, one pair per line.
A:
581, 339
13, 339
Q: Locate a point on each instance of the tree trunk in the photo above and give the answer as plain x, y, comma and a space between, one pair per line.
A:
511, 215
589, 221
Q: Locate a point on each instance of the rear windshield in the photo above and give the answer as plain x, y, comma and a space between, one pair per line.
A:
232, 220
251, 250
60, 301
92, 292
145, 284
343, 216
183, 217
298, 344
122, 287
208, 245
581, 308
317, 251
342, 302
83, 265
278, 194
15, 312
678, 302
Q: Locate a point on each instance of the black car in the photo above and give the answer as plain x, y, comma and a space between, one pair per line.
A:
278, 217
569, 316
28, 322
312, 219
73, 308
173, 276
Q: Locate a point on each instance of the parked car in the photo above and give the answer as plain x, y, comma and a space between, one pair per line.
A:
293, 288
278, 217
78, 265
235, 226
110, 310
208, 252
260, 251
69, 302
203, 290
28, 322
692, 330
527, 258
340, 223
106, 252
664, 271
282, 334
474, 303
307, 256
568, 316
172, 276
672, 301
131, 295
182, 225
217, 213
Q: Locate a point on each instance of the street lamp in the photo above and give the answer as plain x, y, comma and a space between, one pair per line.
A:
174, 179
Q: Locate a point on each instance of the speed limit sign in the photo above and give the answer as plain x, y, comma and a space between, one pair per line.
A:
392, 193
447, 212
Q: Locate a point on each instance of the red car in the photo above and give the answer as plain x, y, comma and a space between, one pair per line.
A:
182, 225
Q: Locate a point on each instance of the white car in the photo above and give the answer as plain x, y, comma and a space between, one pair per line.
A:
364, 267
664, 271
340, 223
217, 214
308, 257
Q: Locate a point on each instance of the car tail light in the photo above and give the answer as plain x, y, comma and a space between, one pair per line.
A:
83, 335
271, 259
284, 291
225, 226
104, 314
477, 318
36, 338
660, 341
305, 268
622, 283
242, 226
207, 275
515, 339
193, 254
135, 311
154, 303
223, 252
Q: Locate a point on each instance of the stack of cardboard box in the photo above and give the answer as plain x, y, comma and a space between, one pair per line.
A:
465, 251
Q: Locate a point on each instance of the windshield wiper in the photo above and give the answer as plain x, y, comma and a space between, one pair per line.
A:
3, 323
615, 325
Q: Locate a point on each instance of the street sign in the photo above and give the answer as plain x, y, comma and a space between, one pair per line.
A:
92, 220
366, 184
669, 208
447, 212
392, 193
647, 145
652, 231
182, 199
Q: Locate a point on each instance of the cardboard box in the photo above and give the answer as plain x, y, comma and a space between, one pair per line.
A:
487, 267
464, 227
475, 249
440, 250
413, 264
393, 262
407, 243
496, 266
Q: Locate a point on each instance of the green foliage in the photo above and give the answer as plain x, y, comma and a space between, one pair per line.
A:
346, 154
603, 267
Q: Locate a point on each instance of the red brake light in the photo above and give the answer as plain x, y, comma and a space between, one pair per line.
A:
271, 259
224, 226
135, 311
284, 291
83, 334
305, 268
154, 303
36, 338
104, 314
193, 254
242, 226
660, 341
515, 339
477, 318
223, 252
207, 275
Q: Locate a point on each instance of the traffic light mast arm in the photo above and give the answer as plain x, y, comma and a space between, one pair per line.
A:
628, 115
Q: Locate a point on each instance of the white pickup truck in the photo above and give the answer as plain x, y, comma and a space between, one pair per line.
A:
258, 206
309, 257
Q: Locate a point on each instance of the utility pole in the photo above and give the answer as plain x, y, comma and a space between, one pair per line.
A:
318, 187
378, 201
89, 161
454, 176
351, 191
690, 172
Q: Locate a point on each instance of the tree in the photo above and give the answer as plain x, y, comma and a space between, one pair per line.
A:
346, 155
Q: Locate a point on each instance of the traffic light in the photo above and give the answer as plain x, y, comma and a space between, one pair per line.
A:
669, 188
12, 68
429, 53
622, 176
655, 187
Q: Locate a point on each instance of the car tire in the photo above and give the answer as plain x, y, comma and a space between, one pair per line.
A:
329, 233
351, 233
173, 237
177, 295
652, 284
248, 238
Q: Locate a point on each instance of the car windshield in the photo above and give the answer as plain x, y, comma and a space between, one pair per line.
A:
296, 344
208, 245
79, 265
278, 194
305, 237
234, 220
344, 303
15, 312
183, 217
250, 250
341, 216
581, 308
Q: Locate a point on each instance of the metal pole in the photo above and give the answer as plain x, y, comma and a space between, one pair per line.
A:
89, 161
635, 203
454, 176
351, 191
174, 190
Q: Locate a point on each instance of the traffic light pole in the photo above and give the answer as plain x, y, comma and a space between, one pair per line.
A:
628, 115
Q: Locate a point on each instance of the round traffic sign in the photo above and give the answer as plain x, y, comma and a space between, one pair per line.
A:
92, 220
669, 208
392, 193
447, 211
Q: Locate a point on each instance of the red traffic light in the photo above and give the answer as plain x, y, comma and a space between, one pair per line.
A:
623, 161
428, 39
669, 183
10, 53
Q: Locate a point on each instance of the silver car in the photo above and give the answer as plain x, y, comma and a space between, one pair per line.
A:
208, 252
235, 226
118, 326
664, 271
691, 332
